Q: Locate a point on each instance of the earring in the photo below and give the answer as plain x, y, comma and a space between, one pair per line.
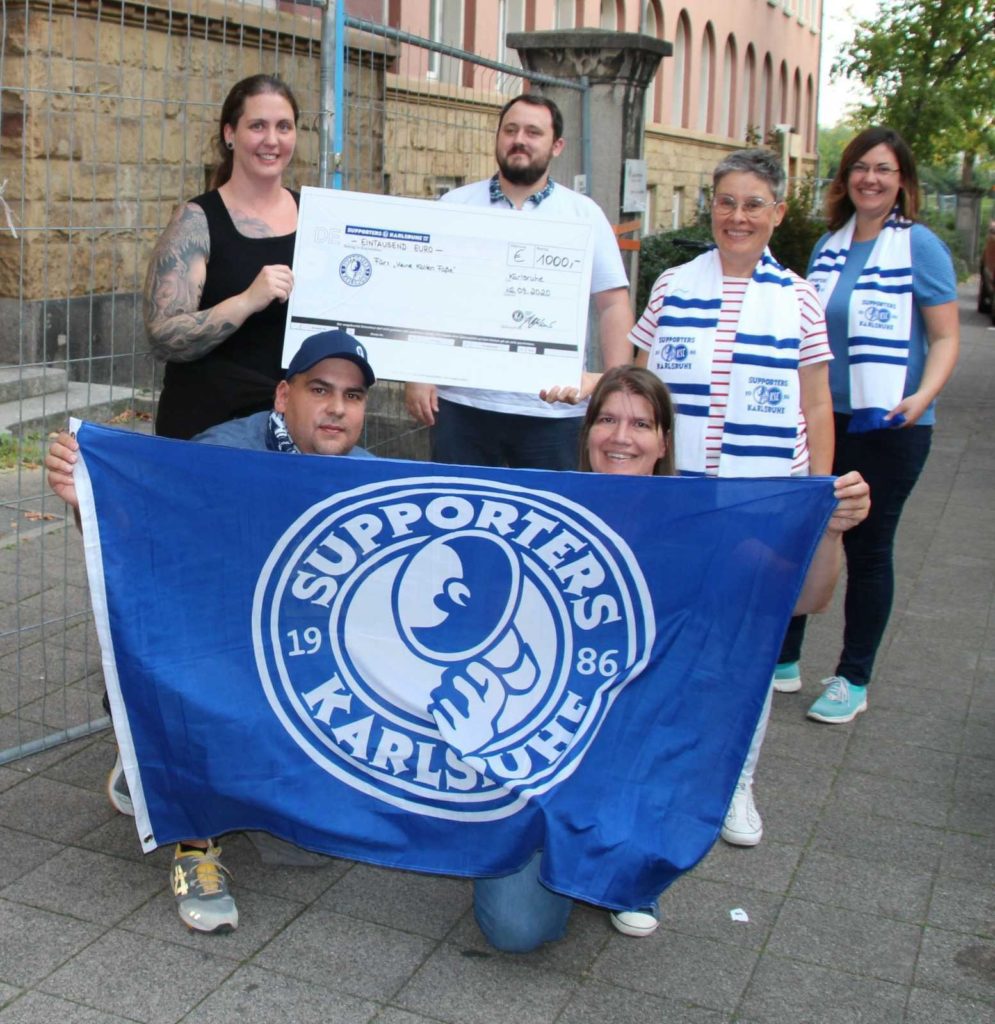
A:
230, 144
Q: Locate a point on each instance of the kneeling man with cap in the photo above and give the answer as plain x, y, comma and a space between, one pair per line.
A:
319, 409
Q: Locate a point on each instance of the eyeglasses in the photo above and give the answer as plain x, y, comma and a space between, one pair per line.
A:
753, 206
881, 170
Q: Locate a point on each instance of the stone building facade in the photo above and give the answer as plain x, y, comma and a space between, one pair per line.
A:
108, 119
737, 72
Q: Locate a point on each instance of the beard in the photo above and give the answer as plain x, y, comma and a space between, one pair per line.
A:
522, 174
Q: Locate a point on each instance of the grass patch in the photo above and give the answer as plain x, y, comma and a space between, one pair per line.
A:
27, 451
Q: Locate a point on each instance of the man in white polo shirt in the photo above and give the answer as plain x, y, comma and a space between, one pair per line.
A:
500, 428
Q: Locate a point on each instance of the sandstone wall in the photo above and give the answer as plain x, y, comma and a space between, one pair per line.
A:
112, 120
108, 113
446, 133
677, 159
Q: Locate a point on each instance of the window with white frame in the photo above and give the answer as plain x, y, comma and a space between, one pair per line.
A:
440, 185
511, 18
445, 25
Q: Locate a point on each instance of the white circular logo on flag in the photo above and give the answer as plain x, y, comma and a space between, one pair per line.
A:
449, 645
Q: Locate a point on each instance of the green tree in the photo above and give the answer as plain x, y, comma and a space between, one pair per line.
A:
929, 66
832, 142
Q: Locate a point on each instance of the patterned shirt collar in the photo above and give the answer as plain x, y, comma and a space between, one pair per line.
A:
497, 196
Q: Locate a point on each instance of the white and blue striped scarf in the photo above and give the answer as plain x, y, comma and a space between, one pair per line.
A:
278, 438
880, 319
761, 422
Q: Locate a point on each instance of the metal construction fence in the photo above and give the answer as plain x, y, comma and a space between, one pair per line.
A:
108, 119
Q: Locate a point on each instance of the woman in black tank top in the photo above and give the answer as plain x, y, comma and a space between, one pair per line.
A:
220, 275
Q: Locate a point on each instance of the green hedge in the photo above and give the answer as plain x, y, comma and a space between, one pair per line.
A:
658, 253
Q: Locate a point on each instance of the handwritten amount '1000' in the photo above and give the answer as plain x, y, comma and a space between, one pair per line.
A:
554, 260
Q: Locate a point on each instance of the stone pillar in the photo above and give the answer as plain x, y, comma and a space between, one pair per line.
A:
619, 66
967, 222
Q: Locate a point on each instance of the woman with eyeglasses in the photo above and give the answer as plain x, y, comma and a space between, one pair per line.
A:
741, 343
889, 290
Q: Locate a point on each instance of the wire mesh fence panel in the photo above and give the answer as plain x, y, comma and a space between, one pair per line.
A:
108, 120
109, 116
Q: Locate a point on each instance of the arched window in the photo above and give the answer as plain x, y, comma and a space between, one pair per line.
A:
748, 95
765, 101
727, 98
679, 105
809, 115
796, 101
782, 93
706, 82
653, 26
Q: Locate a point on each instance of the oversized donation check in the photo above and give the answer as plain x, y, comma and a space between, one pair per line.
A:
443, 293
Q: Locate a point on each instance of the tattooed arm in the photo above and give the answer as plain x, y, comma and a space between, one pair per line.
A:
177, 329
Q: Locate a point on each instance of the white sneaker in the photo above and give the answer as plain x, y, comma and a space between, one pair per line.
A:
743, 825
117, 789
637, 923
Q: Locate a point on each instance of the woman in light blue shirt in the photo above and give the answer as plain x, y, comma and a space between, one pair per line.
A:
888, 287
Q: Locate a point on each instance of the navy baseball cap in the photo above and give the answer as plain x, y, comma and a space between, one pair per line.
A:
331, 345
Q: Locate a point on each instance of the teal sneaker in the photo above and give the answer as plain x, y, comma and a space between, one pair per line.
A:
841, 701
787, 678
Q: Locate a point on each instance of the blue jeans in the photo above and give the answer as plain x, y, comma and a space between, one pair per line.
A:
479, 437
517, 913
890, 461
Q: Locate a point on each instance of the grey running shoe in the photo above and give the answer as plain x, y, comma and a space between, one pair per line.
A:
201, 890
117, 789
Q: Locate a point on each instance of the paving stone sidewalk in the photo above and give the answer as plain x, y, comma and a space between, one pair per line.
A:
871, 899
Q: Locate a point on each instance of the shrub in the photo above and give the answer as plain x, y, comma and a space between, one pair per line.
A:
658, 253
803, 225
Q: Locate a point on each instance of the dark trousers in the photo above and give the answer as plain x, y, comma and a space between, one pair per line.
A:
466, 436
890, 461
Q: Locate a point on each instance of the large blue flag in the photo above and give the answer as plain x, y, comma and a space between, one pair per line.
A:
439, 668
